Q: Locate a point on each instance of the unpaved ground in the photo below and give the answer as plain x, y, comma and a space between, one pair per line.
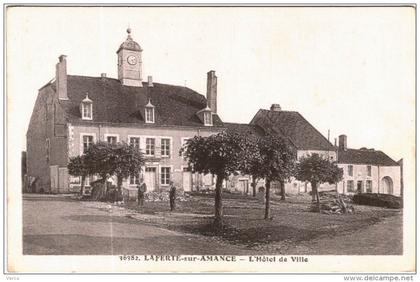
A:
383, 238
60, 225
292, 230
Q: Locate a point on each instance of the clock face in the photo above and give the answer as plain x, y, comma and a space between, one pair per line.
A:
132, 60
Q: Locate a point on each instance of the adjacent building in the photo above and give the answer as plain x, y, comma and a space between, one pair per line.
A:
364, 170
367, 171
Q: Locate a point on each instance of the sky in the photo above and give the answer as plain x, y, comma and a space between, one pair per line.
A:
347, 70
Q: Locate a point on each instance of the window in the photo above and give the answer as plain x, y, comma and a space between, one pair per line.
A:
350, 170
165, 147
359, 186
150, 115
47, 148
184, 141
207, 118
165, 175
86, 110
369, 170
87, 142
150, 146
87, 181
134, 180
350, 186
368, 186
135, 141
111, 139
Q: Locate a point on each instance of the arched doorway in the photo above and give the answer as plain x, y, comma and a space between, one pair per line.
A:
387, 186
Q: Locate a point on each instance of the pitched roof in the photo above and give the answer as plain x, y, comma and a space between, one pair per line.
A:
116, 103
293, 126
365, 156
244, 128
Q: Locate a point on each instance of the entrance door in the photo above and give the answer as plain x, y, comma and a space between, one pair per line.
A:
150, 178
54, 178
63, 178
387, 185
186, 180
359, 186
243, 186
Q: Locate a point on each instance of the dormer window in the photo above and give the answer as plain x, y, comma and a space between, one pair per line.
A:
86, 108
206, 116
149, 113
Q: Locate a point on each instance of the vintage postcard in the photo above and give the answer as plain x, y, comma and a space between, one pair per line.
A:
269, 139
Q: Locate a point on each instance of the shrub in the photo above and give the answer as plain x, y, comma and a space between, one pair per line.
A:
378, 200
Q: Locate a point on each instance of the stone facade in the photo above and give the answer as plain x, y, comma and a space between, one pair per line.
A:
154, 164
46, 140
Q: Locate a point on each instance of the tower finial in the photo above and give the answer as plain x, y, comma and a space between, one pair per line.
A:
129, 32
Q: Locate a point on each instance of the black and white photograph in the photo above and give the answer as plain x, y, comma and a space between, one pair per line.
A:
274, 139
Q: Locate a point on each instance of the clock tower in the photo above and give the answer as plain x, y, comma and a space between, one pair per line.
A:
129, 62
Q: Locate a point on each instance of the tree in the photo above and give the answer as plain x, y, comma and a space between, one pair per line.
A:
270, 157
120, 159
77, 166
99, 157
218, 154
317, 170
127, 161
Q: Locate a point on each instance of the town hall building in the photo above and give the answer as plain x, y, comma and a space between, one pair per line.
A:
72, 112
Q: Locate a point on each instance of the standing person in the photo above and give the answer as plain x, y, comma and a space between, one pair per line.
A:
172, 195
141, 189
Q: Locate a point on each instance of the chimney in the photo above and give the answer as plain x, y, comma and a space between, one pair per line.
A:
150, 81
342, 142
212, 91
275, 108
103, 75
61, 78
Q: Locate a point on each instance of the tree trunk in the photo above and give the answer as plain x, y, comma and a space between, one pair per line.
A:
118, 192
218, 208
313, 186
105, 188
317, 196
282, 191
315, 193
254, 187
82, 186
267, 199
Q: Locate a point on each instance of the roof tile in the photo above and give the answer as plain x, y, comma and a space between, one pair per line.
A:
116, 103
293, 126
365, 156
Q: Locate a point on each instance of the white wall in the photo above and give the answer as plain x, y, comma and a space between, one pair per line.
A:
378, 172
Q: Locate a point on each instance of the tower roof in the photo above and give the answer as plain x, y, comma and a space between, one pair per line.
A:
129, 43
